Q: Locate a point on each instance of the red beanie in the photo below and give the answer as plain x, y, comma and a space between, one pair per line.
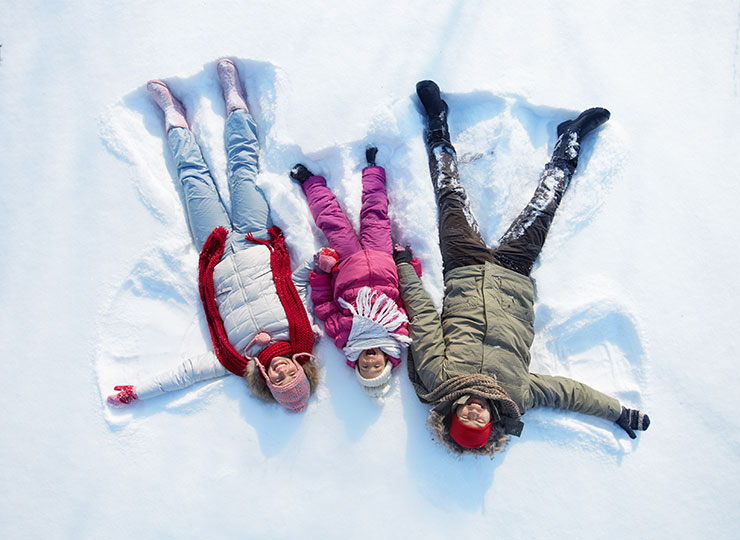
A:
467, 436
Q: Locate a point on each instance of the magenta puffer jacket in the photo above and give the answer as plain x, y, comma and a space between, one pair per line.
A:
369, 268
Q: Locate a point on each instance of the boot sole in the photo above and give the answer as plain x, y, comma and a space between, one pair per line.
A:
435, 97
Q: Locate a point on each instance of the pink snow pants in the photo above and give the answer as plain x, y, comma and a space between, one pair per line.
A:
375, 226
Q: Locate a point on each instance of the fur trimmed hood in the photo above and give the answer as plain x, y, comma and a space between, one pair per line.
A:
439, 421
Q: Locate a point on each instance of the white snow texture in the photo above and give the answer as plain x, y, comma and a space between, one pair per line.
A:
634, 292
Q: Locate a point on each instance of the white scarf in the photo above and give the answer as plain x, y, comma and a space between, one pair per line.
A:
373, 323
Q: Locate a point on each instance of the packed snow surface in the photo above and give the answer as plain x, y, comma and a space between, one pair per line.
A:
636, 286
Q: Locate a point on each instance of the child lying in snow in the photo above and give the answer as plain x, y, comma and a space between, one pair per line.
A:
354, 286
471, 364
255, 306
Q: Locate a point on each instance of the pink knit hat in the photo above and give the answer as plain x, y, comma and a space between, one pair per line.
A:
294, 395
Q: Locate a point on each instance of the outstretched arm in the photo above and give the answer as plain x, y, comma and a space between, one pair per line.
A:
191, 371
427, 349
321, 295
565, 393
336, 323
301, 280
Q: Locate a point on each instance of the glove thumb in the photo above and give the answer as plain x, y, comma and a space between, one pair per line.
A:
632, 419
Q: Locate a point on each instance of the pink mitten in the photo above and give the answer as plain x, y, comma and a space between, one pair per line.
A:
325, 260
416, 263
126, 394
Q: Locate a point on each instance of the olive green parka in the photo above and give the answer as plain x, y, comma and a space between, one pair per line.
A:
487, 327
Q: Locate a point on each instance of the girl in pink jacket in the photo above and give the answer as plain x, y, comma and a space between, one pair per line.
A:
354, 286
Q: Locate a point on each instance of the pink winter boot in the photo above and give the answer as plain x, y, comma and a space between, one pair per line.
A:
233, 94
174, 112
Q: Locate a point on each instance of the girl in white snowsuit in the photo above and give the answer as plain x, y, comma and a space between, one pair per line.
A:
255, 306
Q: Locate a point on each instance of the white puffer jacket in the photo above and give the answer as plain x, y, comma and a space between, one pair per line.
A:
247, 299
248, 303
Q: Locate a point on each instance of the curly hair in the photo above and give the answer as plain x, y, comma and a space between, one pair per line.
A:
258, 385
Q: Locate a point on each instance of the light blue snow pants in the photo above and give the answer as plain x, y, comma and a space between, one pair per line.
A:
205, 209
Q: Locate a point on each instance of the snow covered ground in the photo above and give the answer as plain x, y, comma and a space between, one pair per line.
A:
636, 286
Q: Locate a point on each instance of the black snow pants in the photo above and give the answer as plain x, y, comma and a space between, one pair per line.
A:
460, 240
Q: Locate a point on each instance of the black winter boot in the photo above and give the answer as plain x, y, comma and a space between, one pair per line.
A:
586, 122
436, 111
570, 134
300, 173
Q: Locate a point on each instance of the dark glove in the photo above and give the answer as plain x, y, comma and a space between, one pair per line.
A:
632, 419
402, 254
126, 394
370, 154
300, 173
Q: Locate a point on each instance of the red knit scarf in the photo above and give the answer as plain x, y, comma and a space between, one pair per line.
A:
299, 327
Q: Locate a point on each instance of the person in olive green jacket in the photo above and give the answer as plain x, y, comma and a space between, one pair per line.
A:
472, 362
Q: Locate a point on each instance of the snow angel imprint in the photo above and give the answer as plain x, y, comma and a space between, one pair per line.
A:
472, 362
254, 303
354, 286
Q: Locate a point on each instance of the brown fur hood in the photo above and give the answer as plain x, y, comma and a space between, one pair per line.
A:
439, 421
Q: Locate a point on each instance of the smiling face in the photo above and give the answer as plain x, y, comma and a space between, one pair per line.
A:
474, 413
371, 363
282, 371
